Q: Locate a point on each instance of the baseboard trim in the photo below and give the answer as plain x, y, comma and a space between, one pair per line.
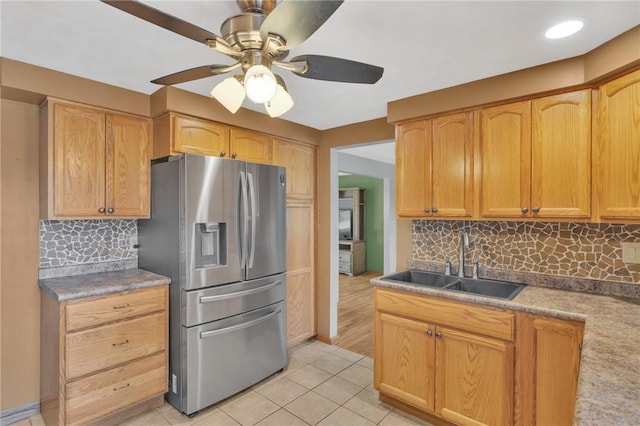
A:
13, 415
323, 338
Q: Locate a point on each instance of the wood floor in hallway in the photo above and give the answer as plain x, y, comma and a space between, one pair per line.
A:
355, 313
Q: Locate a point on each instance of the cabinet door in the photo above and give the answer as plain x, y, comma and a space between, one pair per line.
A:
557, 352
474, 378
413, 169
250, 146
78, 161
452, 166
300, 272
619, 149
299, 160
127, 166
194, 136
561, 155
505, 150
404, 360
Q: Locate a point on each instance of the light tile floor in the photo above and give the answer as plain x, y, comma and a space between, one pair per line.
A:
322, 385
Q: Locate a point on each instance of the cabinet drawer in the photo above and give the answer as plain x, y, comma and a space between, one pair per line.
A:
344, 256
109, 391
101, 310
104, 347
344, 267
476, 319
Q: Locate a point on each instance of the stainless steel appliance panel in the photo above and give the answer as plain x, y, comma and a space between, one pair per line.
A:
266, 249
211, 225
227, 356
223, 301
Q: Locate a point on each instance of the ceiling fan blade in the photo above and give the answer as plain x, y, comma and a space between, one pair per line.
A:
335, 69
296, 20
162, 19
194, 74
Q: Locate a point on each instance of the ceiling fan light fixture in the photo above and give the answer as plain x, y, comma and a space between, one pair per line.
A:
564, 29
260, 84
281, 102
230, 93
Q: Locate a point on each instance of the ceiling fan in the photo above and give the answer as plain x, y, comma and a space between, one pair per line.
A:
259, 38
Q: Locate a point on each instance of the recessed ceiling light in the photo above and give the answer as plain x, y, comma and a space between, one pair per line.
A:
564, 29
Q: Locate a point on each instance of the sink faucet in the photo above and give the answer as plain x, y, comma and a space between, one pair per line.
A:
464, 242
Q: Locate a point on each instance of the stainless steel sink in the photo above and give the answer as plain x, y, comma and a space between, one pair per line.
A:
488, 288
481, 287
415, 276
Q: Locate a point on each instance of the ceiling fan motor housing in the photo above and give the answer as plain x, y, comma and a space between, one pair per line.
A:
263, 6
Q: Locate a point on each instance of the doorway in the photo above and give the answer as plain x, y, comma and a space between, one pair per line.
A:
351, 298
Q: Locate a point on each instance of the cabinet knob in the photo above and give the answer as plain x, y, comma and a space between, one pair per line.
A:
234, 155
101, 210
536, 210
427, 210
110, 210
435, 210
524, 210
439, 335
429, 333
223, 153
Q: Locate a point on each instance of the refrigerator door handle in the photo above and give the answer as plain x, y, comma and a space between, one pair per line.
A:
244, 220
252, 196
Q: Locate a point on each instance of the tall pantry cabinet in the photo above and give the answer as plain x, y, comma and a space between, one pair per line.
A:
299, 160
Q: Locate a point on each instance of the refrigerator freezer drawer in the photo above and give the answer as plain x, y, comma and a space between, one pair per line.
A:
227, 356
224, 301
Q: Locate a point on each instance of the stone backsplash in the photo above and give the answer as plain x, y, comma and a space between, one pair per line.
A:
78, 242
583, 250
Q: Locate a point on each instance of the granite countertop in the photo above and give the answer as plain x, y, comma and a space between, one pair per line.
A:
98, 284
609, 380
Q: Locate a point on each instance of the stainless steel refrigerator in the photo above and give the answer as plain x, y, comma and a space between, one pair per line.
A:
218, 230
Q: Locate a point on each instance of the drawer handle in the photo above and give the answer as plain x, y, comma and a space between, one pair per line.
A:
126, 305
211, 333
121, 387
115, 345
217, 297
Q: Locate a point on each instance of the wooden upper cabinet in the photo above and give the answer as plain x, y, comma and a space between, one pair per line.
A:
128, 165
250, 146
77, 184
299, 159
195, 136
536, 158
413, 168
561, 155
505, 150
94, 163
434, 167
618, 150
452, 166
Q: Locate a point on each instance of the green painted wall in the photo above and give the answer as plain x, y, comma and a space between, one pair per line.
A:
374, 227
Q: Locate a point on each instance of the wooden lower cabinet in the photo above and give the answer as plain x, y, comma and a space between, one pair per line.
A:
103, 357
547, 370
466, 364
405, 360
460, 376
474, 378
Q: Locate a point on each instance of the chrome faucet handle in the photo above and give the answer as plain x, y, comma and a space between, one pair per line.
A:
475, 269
447, 267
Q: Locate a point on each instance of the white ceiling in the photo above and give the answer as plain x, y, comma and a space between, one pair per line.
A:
384, 152
422, 45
